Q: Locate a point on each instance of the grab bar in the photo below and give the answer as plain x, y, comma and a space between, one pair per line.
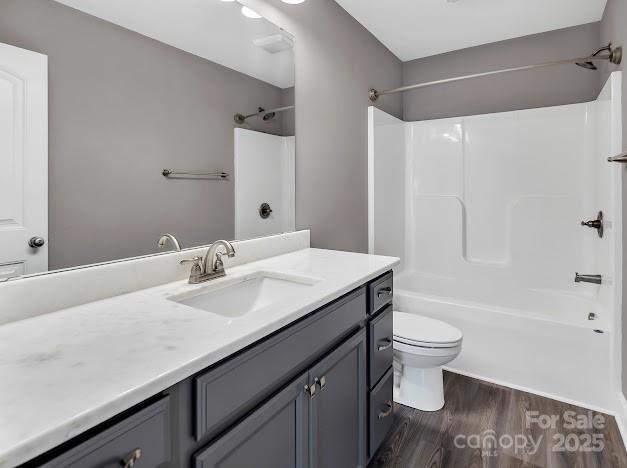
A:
216, 175
621, 158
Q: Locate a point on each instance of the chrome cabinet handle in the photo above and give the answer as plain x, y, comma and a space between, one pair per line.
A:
385, 413
310, 390
36, 242
384, 344
130, 461
384, 292
322, 382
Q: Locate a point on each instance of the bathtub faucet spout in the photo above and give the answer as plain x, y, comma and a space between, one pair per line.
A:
596, 279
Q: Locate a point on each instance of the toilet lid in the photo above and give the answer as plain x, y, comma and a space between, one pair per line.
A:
423, 331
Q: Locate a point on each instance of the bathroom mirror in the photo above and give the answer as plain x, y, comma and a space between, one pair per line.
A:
123, 120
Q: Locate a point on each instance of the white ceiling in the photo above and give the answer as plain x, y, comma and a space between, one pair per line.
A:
211, 29
418, 28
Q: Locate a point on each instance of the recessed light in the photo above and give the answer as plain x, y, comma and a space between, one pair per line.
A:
250, 13
293, 2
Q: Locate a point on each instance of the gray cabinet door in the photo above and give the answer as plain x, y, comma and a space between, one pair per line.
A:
337, 415
273, 436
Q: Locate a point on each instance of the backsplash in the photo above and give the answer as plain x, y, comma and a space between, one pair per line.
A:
70, 288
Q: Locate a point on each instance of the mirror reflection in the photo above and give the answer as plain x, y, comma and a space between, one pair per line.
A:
125, 120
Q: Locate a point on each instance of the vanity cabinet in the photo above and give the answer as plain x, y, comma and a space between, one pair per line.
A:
317, 420
315, 394
243, 381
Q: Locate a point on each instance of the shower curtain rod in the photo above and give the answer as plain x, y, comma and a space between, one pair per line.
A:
614, 56
241, 118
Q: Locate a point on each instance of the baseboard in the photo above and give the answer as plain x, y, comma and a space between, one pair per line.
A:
621, 417
537, 392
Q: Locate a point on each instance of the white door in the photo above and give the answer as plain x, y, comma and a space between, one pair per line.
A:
23, 161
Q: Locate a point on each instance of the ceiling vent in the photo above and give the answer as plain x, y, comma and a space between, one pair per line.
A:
275, 43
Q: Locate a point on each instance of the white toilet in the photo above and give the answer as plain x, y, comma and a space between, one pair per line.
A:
422, 346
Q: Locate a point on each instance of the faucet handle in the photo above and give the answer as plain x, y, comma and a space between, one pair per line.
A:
195, 261
196, 272
219, 263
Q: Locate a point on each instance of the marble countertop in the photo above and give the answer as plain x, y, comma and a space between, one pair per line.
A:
64, 372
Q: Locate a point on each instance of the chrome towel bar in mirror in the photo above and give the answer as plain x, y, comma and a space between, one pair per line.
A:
211, 175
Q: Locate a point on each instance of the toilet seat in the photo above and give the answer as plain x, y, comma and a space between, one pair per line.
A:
424, 332
425, 351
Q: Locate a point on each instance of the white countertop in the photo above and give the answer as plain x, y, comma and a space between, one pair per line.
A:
64, 372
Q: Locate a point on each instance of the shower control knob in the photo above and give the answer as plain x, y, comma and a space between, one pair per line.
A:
36, 242
265, 211
595, 223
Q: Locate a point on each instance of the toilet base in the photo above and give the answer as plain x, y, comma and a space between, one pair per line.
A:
422, 389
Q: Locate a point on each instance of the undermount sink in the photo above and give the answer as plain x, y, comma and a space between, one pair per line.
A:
247, 294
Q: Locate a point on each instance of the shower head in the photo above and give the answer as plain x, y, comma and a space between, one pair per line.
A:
267, 116
614, 55
241, 118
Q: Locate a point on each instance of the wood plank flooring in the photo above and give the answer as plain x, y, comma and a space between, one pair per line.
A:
486, 425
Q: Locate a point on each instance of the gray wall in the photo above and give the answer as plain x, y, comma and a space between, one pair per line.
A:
614, 29
123, 107
288, 117
521, 90
337, 61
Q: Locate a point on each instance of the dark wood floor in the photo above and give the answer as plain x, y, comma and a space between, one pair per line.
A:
445, 438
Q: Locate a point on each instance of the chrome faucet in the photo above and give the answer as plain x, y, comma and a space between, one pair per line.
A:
169, 237
595, 279
210, 266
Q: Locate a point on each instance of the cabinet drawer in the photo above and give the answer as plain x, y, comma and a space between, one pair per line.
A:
380, 292
381, 411
380, 345
229, 391
144, 434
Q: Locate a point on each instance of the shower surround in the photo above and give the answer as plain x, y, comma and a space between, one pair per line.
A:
485, 212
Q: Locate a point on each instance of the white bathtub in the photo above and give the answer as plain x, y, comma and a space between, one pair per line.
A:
541, 342
485, 213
